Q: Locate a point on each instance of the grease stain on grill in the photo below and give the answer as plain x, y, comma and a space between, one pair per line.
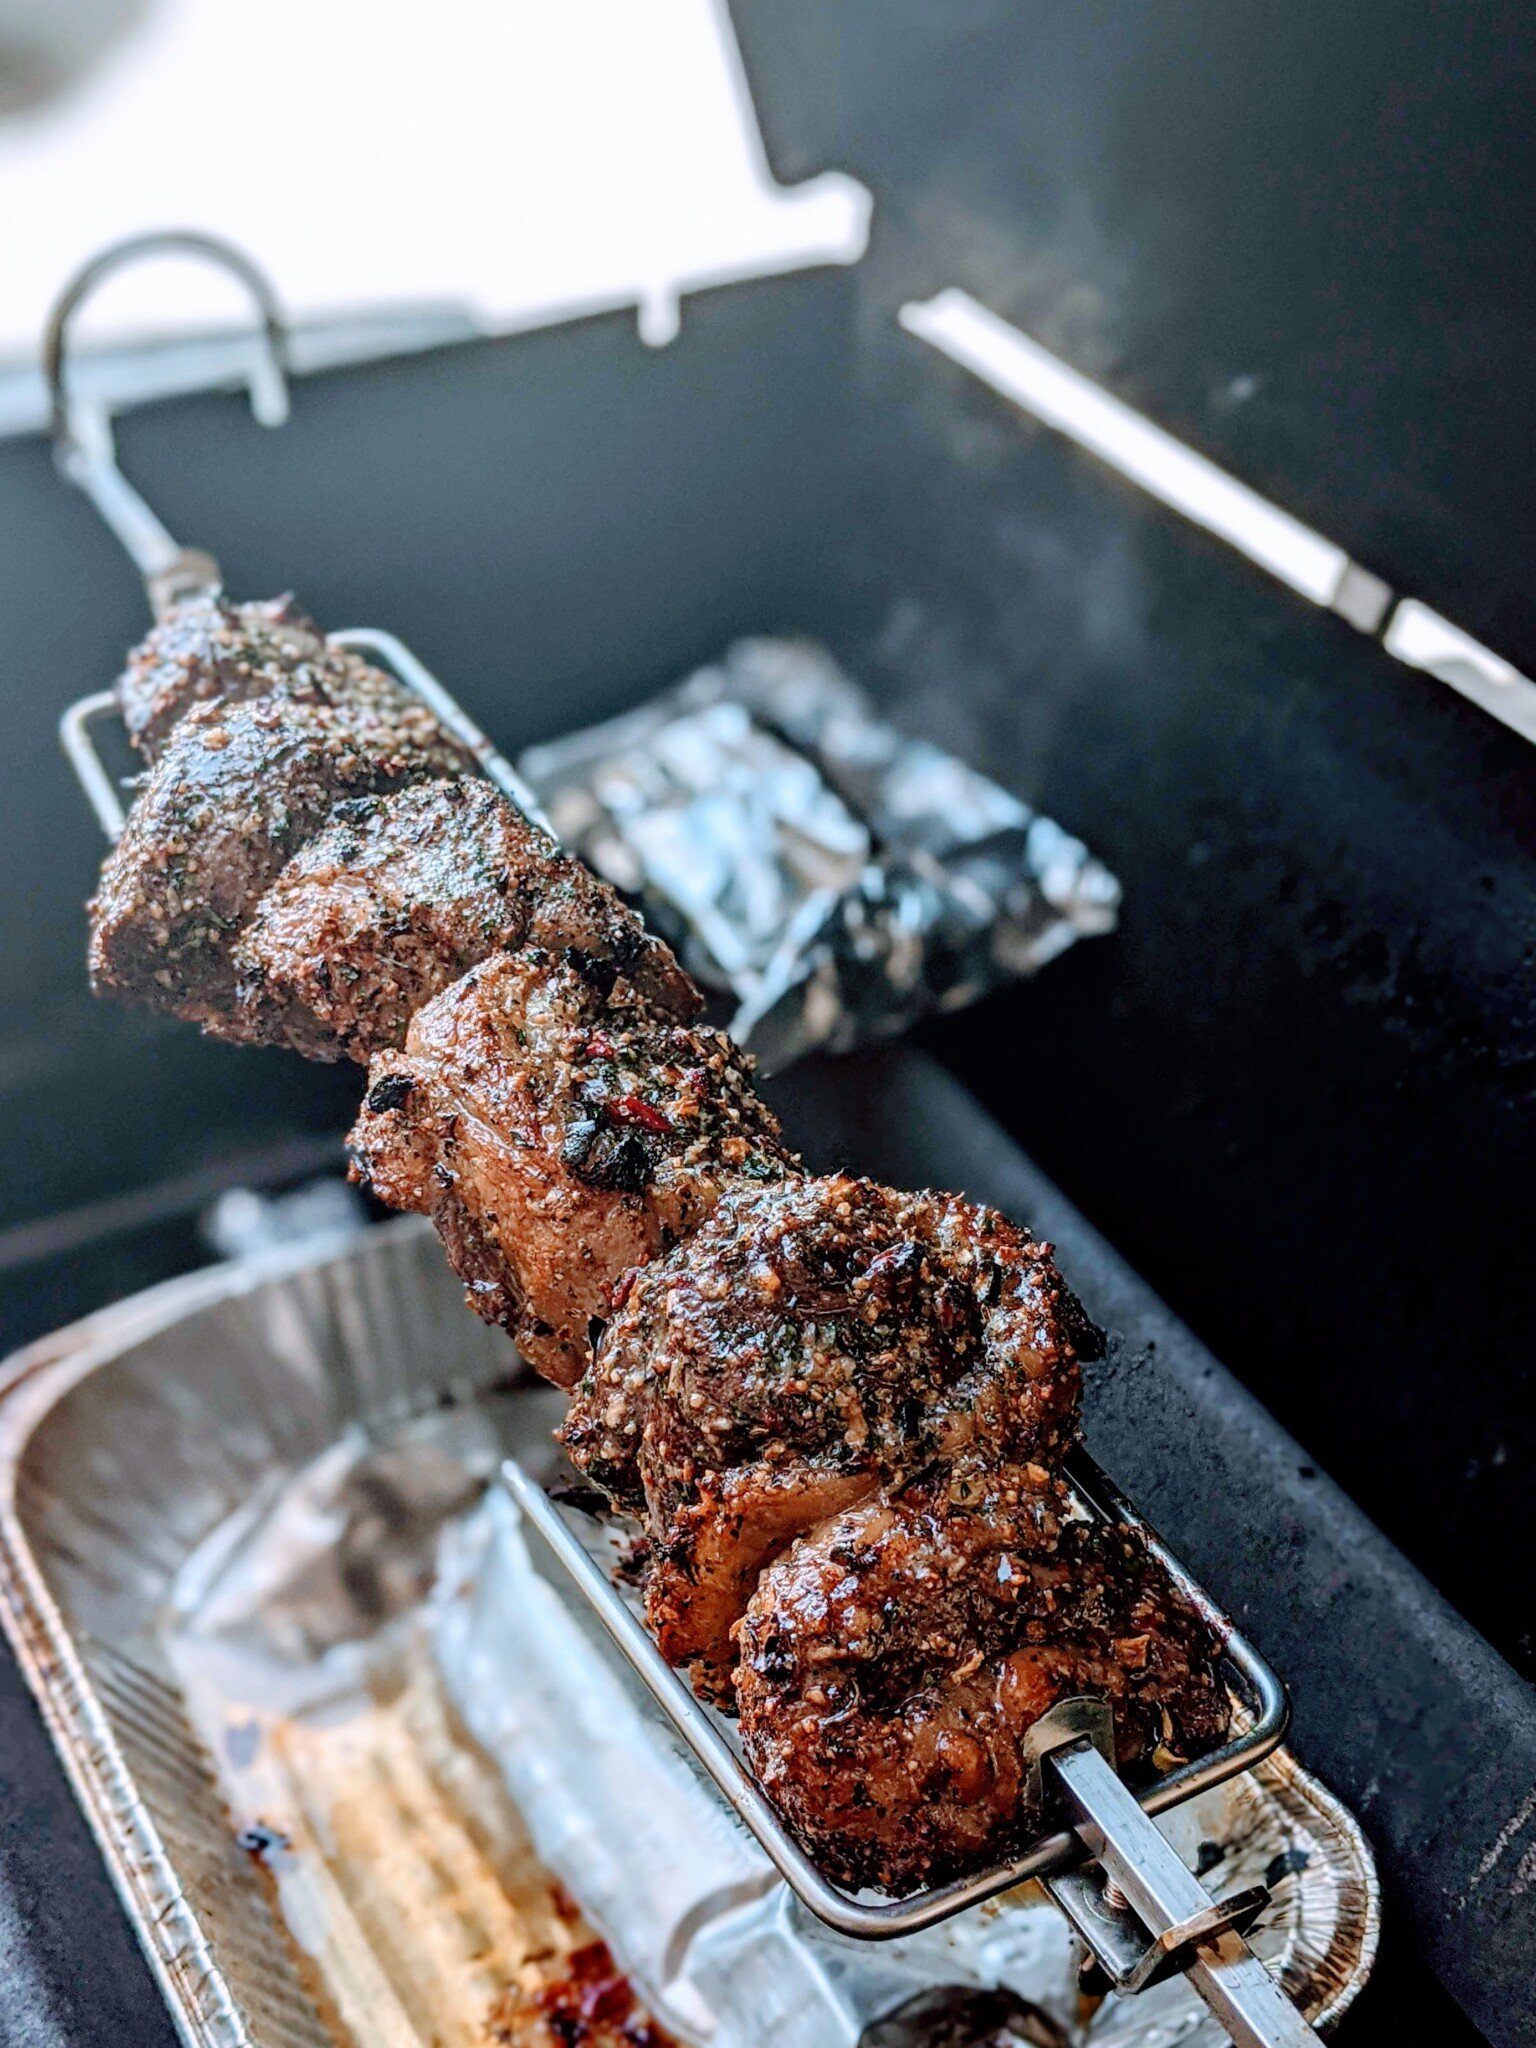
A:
957, 2016
591, 2004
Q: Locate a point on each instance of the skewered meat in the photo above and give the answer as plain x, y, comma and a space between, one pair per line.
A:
559, 1130
207, 647
813, 1342
837, 1408
399, 895
892, 1660
237, 791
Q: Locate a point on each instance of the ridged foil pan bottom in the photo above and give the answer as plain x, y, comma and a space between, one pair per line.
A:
247, 1569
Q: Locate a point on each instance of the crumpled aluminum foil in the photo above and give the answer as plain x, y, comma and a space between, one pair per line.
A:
832, 876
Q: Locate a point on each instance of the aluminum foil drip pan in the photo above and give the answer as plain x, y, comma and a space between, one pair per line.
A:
362, 1774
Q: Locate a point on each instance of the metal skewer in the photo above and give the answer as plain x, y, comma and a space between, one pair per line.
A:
1168, 1920
1140, 1912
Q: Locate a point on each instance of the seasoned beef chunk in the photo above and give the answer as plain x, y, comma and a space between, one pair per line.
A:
814, 1342
237, 792
399, 895
892, 1659
560, 1130
205, 647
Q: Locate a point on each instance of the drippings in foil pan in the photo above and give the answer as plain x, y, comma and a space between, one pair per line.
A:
832, 877
361, 1776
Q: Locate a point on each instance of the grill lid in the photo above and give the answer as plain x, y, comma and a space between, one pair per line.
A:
1286, 233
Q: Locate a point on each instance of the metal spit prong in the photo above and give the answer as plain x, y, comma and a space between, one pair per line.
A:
82, 427
105, 796
1184, 1927
101, 790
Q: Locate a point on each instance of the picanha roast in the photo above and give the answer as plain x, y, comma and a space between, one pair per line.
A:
837, 1410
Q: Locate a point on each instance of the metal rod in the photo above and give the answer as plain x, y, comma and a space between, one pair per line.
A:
148, 542
105, 797
1172, 1903
82, 431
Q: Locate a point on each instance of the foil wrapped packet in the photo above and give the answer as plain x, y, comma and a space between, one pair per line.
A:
831, 877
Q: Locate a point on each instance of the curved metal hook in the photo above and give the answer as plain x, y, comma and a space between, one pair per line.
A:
82, 434
269, 388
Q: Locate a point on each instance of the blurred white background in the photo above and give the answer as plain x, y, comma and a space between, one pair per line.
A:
526, 158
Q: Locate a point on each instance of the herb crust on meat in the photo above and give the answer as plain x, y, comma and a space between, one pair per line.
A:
811, 1343
398, 895
560, 1131
892, 1660
205, 648
237, 791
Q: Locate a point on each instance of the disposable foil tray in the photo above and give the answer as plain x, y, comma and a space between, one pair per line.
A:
361, 1849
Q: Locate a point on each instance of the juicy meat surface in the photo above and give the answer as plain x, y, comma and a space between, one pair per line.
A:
206, 647
237, 791
398, 895
813, 1342
891, 1661
559, 1130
